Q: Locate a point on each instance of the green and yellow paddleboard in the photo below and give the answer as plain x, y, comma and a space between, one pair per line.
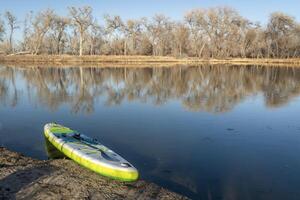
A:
90, 153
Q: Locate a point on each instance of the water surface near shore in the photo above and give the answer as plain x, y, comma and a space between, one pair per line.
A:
210, 132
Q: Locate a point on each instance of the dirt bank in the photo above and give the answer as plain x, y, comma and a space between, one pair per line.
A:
26, 178
136, 61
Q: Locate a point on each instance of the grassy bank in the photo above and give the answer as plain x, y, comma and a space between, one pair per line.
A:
137, 61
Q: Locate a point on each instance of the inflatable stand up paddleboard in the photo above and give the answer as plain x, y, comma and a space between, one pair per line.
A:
89, 153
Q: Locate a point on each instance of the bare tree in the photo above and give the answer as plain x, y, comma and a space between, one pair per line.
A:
27, 26
279, 30
222, 27
59, 27
294, 42
198, 39
2, 30
159, 31
132, 30
12, 23
41, 25
181, 35
249, 42
82, 19
114, 29
95, 37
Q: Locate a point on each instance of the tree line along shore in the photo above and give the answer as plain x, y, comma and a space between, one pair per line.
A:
210, 33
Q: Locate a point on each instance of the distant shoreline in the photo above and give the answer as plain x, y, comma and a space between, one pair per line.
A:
137, 61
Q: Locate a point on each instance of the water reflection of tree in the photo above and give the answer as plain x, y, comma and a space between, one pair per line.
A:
8, 90
204, 88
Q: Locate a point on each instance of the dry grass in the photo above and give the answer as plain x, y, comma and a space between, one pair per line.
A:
137, 61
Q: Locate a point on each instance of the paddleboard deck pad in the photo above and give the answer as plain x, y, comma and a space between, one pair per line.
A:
90, 153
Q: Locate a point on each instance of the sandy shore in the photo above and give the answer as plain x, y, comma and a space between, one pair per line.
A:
136, 61
26, 178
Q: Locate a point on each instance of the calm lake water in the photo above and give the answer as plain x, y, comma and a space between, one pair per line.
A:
209, 132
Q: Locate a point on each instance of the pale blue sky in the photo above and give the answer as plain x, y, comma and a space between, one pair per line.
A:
255, 10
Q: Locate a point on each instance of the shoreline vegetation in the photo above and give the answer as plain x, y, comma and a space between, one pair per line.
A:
214, 33
136, 61
22, 177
